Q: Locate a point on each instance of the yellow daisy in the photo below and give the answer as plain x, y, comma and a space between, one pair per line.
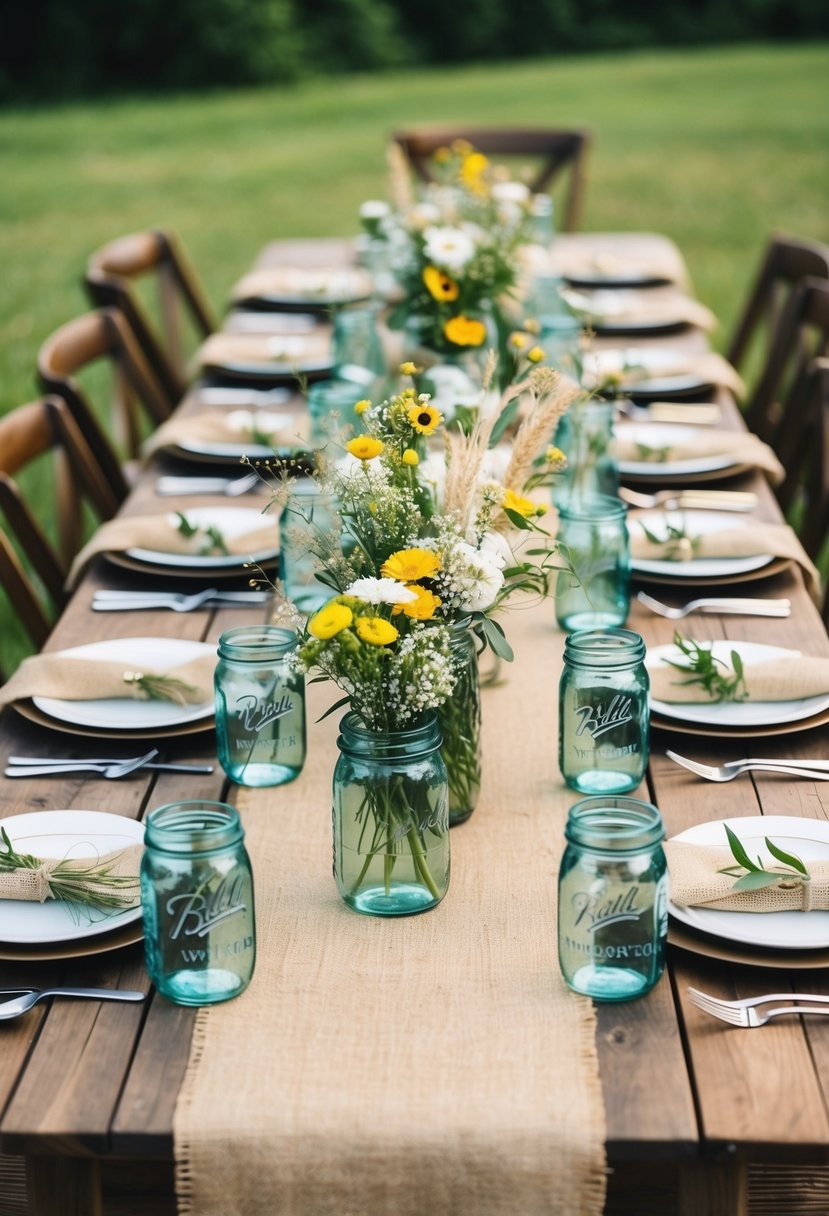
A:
421, 609
411, 565
521, 505
535, 355
362, 406
364, 447
408, 368
465, 331
439, 285
410, 457
331, 619
424, 417
376, 631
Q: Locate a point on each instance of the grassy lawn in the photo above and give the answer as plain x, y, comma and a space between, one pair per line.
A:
715, 147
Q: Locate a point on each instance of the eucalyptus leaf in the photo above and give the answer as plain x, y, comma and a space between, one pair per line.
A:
518, 520
788, 859
756, 881
739, 852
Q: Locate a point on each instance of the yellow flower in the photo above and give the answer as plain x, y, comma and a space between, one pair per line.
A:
474, 164
439, 285
532, 325
518, 340
331, 619
410, 565
461, 147
408, 368
556, 458
410, 457
521, 505
421, 609
364, 447
376, 631
465, 331
362, 406
424, 417
535, 355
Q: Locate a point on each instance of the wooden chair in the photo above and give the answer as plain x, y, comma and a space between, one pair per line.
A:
114, 277
45, 428
804, 494
774, 410
135, 398
557, 151
786, 263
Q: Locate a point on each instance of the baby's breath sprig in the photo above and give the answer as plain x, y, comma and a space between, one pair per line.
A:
704, 668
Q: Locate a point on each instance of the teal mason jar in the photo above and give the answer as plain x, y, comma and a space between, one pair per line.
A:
585, 435
459, 720
260, 706
390, 818
594, 592
603, 717
307, 517
197, 899
612, 899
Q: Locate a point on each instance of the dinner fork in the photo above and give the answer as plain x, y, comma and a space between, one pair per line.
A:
21, 1004
691, 500
119, 601
813, 770
738, 606
745, 1013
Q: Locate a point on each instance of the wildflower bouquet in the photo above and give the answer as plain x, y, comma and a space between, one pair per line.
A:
453, 251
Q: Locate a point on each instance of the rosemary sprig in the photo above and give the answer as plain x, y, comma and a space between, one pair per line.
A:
160, 688
646, 451
757, 875
704, 669
214, 542
93, 883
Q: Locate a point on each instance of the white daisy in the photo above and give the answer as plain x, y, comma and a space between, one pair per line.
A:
449, 248
380, 591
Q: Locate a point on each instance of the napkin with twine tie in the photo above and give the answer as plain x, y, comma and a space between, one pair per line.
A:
778, 540
709, 367
314, 286
70, 678
574, 259
744, 447
109, 881
292, 350
261, 427
638, 308
783, 679
161, 533
695, 882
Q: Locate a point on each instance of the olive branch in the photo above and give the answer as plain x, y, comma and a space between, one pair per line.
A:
757, 876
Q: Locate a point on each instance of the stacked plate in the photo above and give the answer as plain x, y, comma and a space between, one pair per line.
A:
699, 571
32, 931
660, 436
649, 374
230, 522
774, 939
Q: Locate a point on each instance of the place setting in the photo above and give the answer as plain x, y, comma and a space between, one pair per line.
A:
228, 437
652, 373
620, 311
685, 452
268, 357
303, 289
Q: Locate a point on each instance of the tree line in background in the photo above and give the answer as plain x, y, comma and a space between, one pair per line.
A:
72, 48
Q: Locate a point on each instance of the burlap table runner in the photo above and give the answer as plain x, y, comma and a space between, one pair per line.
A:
59, 674
434, 1063
784, 679
706, 441
277, 430
778, 540
161, 534
695, 881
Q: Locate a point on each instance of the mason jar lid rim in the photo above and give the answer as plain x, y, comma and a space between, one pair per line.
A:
591, 506
257, 641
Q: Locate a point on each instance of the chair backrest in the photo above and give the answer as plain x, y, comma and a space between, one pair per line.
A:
804, 493
23, 598
786, 262
113, 279
93, 340
557, 152
71, 480
774, 408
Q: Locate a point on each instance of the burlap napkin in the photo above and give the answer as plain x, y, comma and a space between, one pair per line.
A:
709, 367
38, 885
69, 678
778, 540
291, 350
742, 445
694, 881
238, 427
783, 679
160, 533
316, 286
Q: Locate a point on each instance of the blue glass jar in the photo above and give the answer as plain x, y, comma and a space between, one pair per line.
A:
197, 900
560, 329
331, 411
459, 721
390, 818
603, 717
585, 435
612, 899
260, 706
306, 516
358, 354
595, 592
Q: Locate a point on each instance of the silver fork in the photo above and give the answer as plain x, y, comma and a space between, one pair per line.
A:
744, 1013
231, 487
21, 1004
115, 601
814, 770
111, 771
691, 500
736, 606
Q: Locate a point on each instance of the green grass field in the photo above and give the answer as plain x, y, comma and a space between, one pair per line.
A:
716, 147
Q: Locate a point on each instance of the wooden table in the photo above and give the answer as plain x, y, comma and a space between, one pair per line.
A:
700, 1119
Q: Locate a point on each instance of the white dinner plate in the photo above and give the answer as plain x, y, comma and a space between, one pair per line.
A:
67, 834
660, 435
734, 713
808, 839
231, 522
615, 310
696, 523
128, 713
655, 366
231, 451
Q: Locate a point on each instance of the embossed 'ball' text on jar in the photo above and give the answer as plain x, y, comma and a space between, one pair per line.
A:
603, 724
197, 899
612, 899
